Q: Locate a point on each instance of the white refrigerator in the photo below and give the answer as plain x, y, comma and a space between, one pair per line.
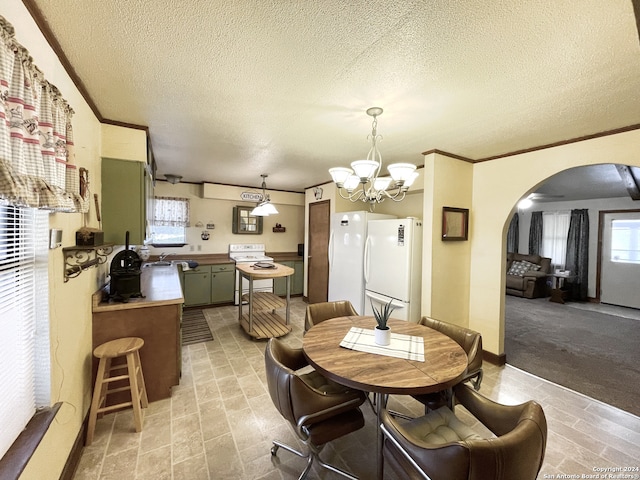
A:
393, 267
346, 256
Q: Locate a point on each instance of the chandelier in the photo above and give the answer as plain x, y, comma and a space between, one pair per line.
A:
362, 180
265, 207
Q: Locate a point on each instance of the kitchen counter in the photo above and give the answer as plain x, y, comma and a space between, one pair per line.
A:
159, 285
156, 319
219, 258
202, 259
285, 256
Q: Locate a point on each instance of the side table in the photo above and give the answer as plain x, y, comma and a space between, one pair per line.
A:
558, 295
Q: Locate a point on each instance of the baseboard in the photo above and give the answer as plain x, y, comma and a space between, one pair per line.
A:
498, 360
75, 454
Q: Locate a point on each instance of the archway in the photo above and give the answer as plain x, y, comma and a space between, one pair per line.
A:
497, 186
581, 345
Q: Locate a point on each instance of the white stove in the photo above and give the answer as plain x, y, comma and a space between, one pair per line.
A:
250, 253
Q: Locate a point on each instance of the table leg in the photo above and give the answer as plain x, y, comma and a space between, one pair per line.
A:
381, 403
288, 299
251, 304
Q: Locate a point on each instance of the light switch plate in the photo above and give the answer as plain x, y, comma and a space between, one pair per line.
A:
55, 238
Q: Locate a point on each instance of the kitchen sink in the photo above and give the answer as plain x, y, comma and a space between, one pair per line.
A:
159, 263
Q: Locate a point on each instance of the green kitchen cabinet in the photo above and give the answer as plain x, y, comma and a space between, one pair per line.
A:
297, 280
125, 186
209, 285
197, 286
222, 283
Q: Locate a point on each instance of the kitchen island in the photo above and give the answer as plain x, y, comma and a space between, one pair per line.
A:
262, 321
156, 318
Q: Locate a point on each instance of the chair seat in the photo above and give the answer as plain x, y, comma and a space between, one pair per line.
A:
439, 427
323, 384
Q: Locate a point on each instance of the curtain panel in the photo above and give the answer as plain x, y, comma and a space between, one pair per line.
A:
513, 234
535, 234
36, 135
171, 212
578, 253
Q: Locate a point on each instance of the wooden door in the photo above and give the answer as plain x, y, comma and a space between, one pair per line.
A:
318, 259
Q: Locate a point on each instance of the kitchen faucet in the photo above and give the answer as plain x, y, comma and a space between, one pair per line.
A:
164, 255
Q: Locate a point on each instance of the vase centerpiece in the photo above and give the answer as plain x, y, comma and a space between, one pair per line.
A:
382, 330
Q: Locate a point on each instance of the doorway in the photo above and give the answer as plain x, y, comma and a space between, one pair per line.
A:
318, 253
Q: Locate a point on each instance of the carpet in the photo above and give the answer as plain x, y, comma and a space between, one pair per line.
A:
587, 351
195, 328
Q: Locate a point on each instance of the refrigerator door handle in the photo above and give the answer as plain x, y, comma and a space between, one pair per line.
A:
331, 250
366, 260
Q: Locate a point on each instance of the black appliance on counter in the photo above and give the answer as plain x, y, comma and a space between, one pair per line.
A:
125, 274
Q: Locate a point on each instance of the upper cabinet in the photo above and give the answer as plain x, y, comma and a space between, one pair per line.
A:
126, 189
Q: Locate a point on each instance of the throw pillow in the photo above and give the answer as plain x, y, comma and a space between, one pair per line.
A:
518, 269
532, 266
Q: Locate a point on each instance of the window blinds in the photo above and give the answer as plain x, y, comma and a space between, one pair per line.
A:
24, 319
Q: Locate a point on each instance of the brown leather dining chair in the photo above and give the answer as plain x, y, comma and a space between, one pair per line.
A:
319, 410
319, 312
471, 343
439, 446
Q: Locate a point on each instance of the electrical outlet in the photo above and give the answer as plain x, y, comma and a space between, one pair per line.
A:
199, 247
191, 248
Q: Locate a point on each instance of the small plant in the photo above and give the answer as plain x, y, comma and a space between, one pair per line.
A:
383, 314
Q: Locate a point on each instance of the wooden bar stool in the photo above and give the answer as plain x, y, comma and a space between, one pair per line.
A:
121, 347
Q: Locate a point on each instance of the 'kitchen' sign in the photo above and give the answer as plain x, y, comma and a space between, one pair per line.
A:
251, 196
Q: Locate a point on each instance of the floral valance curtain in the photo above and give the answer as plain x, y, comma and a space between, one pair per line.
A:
171, 212
36, 136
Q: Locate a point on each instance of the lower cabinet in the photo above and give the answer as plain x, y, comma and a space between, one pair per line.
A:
297, 280
161, 356
222, 283
209, 284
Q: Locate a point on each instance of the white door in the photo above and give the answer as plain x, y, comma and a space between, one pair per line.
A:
388, 258
346, 259
620, 268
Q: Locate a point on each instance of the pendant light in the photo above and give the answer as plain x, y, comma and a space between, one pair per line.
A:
264, 208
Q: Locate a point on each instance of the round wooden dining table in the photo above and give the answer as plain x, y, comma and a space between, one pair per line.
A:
444, 366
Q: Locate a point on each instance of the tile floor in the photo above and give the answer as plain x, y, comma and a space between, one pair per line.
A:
220, 421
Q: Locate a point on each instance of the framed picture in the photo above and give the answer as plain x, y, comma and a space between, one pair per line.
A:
455, 224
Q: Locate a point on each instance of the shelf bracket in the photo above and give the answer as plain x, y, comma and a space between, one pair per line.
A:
79, 258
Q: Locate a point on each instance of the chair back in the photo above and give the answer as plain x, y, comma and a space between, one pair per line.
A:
280, 363
517, 451
319, 312
469, 340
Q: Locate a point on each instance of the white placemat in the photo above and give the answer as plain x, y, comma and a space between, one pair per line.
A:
401, 346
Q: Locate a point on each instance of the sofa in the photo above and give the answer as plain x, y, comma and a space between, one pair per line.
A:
527, 275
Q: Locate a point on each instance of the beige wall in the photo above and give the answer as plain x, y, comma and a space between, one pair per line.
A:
70, 303
445, 287
497, 187
219, 211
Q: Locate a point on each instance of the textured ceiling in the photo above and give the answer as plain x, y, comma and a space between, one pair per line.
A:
233, 89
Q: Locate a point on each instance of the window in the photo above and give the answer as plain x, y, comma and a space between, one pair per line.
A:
170, 219
24, 318
625, 241
555, 228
